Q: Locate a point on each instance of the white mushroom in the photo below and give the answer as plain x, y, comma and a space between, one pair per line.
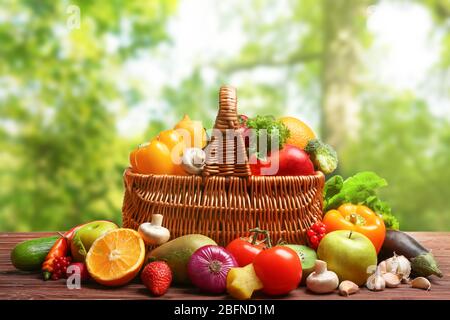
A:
322, 280
193, 160
152, 232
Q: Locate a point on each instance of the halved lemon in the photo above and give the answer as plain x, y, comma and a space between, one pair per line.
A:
116, 257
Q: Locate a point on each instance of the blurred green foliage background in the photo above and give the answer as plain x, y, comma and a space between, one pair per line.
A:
74, 100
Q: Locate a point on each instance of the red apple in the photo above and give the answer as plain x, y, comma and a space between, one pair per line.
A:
256, 165
293, 161
289, 161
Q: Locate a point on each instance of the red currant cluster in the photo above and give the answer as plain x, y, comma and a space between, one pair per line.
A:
60, 265
315, 234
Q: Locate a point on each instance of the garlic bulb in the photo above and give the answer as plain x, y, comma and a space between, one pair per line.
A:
376, 281
399, 265
383, 267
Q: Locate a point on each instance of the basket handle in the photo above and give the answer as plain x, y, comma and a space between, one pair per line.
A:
226, 154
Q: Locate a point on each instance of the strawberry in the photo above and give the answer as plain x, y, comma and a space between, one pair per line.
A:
157, 277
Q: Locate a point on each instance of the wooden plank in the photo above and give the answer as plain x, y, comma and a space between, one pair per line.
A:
15, 284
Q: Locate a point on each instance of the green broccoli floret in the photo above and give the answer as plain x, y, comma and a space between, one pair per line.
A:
322, 155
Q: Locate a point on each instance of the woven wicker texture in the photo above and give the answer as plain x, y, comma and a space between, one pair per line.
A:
226, 154
227, 201
225, 208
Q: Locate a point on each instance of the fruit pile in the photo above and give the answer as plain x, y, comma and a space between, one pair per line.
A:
350, 243
180, 151
173, 151
355, 244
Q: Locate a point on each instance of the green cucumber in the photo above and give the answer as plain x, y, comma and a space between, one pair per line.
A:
29, 255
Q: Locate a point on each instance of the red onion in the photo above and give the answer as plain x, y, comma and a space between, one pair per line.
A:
208, 268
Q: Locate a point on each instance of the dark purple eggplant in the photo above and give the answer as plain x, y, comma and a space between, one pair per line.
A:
422, 260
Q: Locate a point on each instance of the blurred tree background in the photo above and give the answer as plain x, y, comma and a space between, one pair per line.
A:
74, 102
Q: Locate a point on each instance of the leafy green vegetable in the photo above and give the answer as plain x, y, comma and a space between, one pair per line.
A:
333, 186
359, 189
265, 128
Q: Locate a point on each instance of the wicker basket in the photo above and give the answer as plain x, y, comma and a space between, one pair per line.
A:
227, 201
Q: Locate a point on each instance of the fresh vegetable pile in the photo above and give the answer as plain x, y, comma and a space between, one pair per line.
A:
287, 141
351, 248
357, 242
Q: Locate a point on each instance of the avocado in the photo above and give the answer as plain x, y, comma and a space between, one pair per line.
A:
29, 255
308, 258
177, 253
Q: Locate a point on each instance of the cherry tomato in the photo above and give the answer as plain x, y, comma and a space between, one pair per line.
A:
279, 269
314, 239
244, 251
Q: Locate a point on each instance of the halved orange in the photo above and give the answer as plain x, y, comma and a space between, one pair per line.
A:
116, 257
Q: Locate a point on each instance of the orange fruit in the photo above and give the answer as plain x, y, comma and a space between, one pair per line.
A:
301, 133
116, 257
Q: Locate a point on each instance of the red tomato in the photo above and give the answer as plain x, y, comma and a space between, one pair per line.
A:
279, 269
244, 251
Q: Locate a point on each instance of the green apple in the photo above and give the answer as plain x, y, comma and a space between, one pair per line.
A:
85, 237
351, 255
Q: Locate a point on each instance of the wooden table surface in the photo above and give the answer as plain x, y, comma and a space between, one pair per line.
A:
15, 284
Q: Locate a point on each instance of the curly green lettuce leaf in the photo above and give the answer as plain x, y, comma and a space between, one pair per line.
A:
383, 209
266, 127
359, 189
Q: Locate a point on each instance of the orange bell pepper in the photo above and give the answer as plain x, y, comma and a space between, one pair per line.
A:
161, 155
358, 218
